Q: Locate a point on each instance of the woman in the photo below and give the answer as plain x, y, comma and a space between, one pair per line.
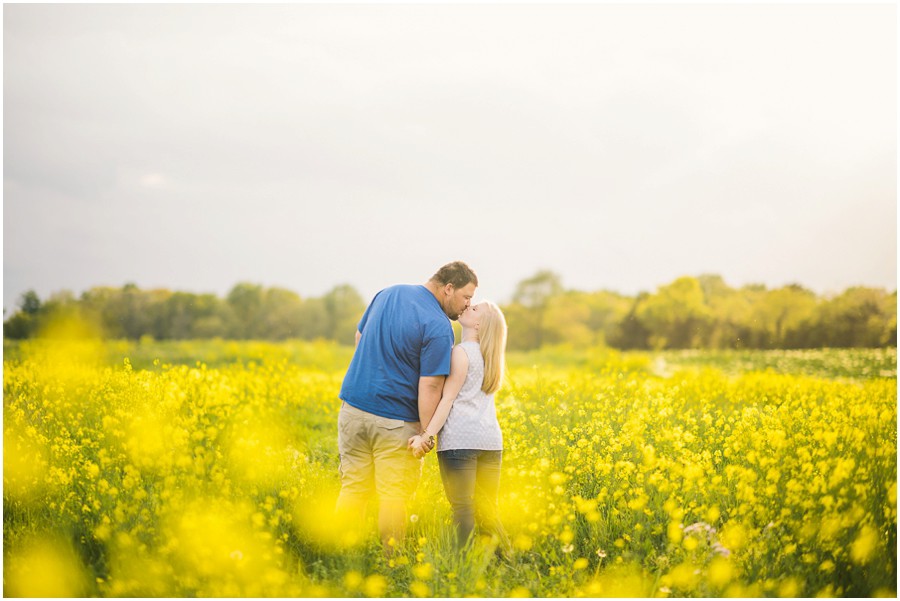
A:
470, 445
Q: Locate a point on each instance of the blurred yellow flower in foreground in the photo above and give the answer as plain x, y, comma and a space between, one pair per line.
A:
620, 581
375, 585
863, 547
24, 466
44, 567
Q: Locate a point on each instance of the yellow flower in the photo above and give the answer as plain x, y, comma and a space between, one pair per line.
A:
352, 580
720, 572
522, 542
674, 532
375, 585
790, 587
423, 571
419, 589
684, 577
734, 536
44, 568
863, 547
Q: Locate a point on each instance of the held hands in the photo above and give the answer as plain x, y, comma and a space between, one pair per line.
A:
420, 445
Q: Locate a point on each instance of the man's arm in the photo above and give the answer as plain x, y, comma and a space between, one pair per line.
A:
358, 336
459, 367
430, 388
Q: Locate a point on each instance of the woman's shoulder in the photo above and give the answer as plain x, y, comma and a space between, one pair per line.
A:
459, 353
471, 349
468, 345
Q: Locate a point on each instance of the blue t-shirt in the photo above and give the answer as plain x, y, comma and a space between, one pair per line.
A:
405, 335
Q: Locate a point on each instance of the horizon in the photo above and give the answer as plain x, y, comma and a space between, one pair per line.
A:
77, 294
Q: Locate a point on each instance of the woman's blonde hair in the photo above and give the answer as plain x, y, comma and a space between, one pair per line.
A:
492, 340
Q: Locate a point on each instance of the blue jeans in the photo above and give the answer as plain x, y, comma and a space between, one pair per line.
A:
471, 481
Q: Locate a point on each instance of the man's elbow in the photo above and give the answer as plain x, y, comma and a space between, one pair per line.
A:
432, 384
435, 386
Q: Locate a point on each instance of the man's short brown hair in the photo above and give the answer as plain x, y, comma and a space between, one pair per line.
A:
456, 273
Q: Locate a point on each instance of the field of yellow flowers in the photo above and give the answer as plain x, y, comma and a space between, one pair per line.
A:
210, 469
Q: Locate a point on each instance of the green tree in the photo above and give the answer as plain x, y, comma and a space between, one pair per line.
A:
751, 325
519, 319
534, 295
566, 320
676, 315
281, 314
790, 308
23, 323
891, 325
730, 313
178, 316
245, 301
733, 316
313, 322
208, 316
631, 332
607, 311
30, 303
122, 312
343, 309
780, 313
858, 317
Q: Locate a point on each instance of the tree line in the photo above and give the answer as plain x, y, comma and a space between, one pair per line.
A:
690, 312
248, 312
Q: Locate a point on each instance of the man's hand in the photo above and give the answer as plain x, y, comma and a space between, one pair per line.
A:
419, 445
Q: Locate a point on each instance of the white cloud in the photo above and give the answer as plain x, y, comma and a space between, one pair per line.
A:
153, 180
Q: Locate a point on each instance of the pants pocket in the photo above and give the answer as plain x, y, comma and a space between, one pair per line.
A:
388, 423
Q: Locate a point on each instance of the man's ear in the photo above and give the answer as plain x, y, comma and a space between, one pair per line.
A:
448, 289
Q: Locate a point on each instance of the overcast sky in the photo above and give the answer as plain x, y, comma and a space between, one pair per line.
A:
193, 147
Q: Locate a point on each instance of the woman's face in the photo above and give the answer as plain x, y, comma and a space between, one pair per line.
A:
471, 317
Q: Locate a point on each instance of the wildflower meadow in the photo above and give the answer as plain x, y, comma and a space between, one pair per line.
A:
210, 469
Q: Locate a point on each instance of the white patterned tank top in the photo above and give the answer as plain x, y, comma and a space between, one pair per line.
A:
472, 422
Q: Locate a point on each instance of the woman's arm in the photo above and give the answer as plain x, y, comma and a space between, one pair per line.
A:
459, 366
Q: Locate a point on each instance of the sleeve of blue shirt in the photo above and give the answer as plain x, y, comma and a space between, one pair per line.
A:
365, 317
434, 358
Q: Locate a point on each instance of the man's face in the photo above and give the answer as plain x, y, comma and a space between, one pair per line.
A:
456, 300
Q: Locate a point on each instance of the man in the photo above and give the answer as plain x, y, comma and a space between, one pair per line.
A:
393, 384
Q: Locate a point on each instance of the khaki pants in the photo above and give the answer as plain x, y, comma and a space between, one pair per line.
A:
375, 458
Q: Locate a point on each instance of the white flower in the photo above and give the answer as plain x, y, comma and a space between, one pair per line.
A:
568, 548
696, 527
413, 518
